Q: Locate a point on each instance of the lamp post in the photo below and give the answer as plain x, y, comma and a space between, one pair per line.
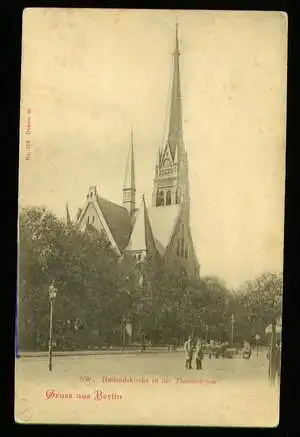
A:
123, 332
232, 328
52, 296
257, 338
206, 331
272, 356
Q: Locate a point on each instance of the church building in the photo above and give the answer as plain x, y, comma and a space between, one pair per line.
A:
162, 228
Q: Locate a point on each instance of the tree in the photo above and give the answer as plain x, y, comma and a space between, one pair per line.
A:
96, 290
260, 302
38, 231
83, 266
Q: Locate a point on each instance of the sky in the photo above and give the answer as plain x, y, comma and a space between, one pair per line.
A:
88, 76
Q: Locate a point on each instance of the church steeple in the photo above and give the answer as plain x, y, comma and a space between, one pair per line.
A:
170, 183
175, 138
129, 180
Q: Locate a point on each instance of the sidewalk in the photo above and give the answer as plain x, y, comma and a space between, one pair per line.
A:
126, 351
96, 352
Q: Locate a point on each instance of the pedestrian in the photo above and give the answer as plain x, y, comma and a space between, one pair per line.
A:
277, 361
217, 349
210, 348
199, 355
247, 350
188, 349
143, 344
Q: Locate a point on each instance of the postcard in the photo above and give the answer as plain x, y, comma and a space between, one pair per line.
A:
151, 217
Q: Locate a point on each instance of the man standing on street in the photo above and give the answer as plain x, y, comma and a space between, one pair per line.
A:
188, 349
199, 355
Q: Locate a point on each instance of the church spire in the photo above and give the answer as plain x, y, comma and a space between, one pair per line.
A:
175, 116
129, 180
171, 173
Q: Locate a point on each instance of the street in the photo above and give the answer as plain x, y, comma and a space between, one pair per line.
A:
157, 390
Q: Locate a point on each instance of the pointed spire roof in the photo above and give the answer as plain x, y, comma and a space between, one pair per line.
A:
68, 215
175, 116
141, 237
129, 180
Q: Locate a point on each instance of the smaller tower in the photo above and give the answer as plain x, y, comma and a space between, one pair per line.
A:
129, 181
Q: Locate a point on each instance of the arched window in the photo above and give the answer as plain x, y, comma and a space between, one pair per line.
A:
93, 219
167, 163
88, 220
168, 198
160, 198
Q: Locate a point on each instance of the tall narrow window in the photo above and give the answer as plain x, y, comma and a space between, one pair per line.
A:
168, 198
186, 251
93, 220
88, 220
178, 247
160, 198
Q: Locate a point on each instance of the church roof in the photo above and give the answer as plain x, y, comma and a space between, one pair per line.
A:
141, 237
156, 223
138, 236
163, 220
117, 219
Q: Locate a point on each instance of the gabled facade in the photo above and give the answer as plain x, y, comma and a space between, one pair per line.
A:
114, 220
162, 229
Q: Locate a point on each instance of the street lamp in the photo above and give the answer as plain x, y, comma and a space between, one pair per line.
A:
232, 328
206, 331
123, 332
52, 296
257, 338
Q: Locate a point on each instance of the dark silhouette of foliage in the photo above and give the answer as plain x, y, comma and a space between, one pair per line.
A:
97, 291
